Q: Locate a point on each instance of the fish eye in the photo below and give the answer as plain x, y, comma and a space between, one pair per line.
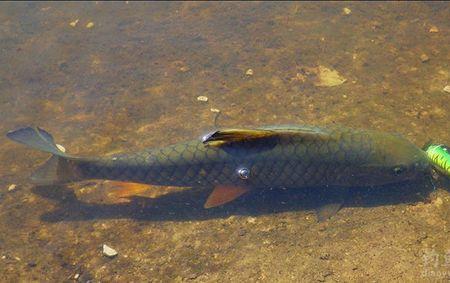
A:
398, 170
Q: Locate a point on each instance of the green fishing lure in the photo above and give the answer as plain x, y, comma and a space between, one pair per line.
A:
440, 157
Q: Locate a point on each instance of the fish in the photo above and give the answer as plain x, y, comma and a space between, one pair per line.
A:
235, 161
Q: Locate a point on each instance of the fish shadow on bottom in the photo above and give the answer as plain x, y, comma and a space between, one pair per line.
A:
187, 205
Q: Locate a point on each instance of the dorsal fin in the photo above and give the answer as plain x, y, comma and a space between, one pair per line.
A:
229, 136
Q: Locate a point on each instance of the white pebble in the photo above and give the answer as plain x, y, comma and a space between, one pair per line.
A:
249, 72
12, 187
74, 23
346, 11
433, 29
251, 220
202, 98
447, 88
108, 251
215, 110
60, 147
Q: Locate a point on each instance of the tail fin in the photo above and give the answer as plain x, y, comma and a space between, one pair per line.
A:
60, 168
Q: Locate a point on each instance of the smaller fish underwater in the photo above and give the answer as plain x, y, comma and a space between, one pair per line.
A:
236, 161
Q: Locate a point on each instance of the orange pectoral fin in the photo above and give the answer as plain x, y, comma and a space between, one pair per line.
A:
125, 189
223, 194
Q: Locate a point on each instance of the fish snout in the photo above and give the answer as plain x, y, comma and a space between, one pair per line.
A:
422, 166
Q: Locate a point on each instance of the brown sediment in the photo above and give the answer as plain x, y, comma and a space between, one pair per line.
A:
137, 74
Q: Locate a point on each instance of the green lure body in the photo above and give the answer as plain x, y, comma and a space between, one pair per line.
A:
439, 156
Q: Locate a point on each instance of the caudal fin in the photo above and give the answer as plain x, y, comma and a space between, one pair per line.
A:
60, 168
36, 138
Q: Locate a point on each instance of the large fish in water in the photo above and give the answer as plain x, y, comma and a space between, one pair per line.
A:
234, 161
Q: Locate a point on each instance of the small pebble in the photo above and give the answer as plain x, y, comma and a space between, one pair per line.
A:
76, 276
433, 29
424, 58
90, 25
184, 69
74, 23
215, 110
60, 147
202, 98
346, 11
192, 276
249, 72
251, 220
447, 88
12, 187
438, 202
108, 251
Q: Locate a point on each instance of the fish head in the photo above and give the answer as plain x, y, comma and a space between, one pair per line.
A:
393, 160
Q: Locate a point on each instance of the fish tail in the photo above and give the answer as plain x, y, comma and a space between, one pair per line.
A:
60, 168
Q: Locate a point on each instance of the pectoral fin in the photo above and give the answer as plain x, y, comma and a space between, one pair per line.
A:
224, 194
328, 210
126, 189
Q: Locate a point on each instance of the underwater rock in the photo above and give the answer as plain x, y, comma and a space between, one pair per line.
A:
181, 66
424, 58
249, 72
12, 187
327, 77
438, 202
90, 25
109, 252
251, 220
60, 147
346, 11
74, 23
433, 29
447, 88
202, 98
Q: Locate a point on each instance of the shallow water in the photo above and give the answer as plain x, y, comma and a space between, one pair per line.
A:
131, 79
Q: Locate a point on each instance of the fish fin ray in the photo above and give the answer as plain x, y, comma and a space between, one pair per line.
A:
224, 194
328, 210
230, 136
56, 170
127, 189
36, 138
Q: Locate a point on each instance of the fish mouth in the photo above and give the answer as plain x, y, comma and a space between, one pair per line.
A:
424, 166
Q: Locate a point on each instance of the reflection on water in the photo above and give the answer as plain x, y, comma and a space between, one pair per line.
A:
107, 77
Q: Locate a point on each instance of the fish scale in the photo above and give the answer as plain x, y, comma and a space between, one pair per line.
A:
273, 156
288, 163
